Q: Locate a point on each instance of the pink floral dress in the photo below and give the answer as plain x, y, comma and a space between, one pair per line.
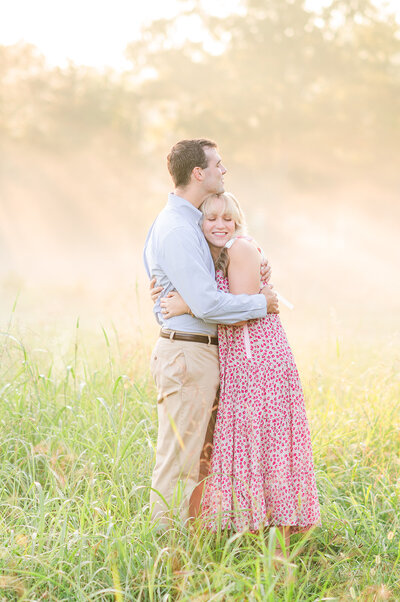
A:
261, 469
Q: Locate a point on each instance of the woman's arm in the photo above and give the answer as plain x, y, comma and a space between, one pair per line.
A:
244, 267
155, 291
173, 305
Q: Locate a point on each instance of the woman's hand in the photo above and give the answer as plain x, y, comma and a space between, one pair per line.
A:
173, 305
155, 291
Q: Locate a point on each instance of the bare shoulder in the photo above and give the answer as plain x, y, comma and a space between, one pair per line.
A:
244, 250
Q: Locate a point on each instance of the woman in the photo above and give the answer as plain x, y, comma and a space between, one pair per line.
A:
261, 471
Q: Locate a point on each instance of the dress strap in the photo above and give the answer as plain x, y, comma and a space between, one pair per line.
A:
249, 238
230, 242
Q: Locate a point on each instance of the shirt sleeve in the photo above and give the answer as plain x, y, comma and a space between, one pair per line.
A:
182, 260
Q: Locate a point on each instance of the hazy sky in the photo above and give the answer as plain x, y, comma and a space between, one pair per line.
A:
93, 32
96, 32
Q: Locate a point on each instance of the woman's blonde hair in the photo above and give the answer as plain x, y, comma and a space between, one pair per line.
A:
234, 211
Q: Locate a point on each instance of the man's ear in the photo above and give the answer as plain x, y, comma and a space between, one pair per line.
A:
198, 174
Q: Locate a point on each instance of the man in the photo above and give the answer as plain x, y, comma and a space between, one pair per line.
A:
184, 362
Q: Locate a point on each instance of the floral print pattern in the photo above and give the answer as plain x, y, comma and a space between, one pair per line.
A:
261, 470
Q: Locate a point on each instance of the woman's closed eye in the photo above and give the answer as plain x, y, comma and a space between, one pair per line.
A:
213, 219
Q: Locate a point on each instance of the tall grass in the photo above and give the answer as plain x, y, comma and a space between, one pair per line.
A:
77, 447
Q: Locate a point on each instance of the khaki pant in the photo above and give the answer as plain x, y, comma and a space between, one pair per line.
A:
187, 380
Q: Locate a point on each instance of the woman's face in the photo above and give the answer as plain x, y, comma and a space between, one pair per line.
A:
218, 227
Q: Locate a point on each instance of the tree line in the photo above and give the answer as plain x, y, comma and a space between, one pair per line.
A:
283, 83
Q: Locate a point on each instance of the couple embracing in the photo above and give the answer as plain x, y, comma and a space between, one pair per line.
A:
221, 331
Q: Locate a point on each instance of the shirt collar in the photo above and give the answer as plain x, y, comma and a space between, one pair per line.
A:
180, 203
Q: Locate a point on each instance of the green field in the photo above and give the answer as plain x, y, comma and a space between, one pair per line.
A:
78, 429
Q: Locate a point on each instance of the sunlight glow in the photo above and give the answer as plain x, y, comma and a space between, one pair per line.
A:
91, 32
96, 33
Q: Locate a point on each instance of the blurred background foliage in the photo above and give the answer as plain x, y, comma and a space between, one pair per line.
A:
277, 83
304, 106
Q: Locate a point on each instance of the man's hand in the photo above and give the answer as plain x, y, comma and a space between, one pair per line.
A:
272, 299
265, 271
155, 291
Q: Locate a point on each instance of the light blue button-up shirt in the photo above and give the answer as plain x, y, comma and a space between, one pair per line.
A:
177, 255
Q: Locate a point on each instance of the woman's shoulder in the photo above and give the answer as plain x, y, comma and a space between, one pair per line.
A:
242, 247
240, 243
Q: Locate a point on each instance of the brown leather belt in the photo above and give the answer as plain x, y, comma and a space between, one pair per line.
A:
185, 336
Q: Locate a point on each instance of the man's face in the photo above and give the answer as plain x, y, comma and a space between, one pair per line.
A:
214, 172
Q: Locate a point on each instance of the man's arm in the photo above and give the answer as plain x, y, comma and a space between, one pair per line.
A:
182, 261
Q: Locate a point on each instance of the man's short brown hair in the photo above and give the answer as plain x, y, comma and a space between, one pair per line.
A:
185, 156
